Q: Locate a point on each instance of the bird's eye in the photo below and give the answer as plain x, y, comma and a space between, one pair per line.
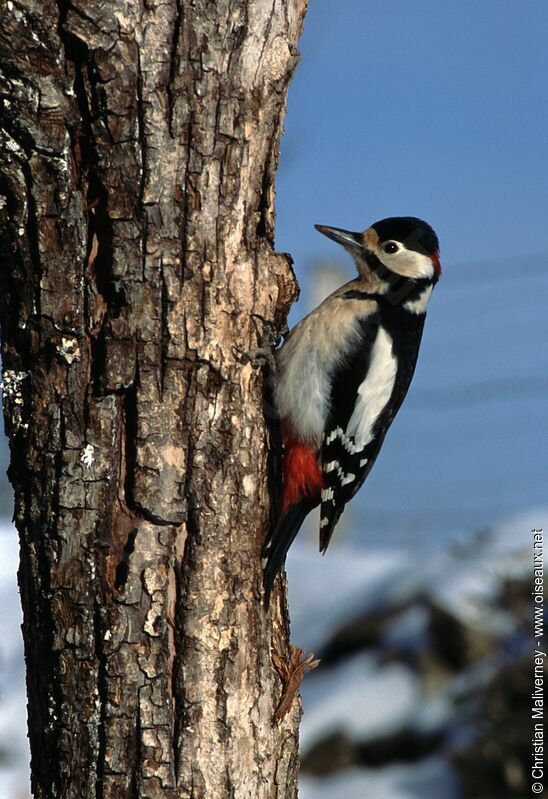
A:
390, 247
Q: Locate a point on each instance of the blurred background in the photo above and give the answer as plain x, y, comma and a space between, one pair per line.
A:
437, 111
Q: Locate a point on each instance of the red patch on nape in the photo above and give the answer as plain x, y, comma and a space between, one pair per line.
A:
302, 473
436, 264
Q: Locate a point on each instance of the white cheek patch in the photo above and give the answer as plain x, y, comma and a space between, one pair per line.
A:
419, 305
408, 263
375, 391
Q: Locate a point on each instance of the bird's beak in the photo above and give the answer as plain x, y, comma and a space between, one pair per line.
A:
345, 237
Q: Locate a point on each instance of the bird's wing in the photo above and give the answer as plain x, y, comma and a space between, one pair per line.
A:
361, 390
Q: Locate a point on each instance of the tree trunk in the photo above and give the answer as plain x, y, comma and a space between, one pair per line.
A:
139, 147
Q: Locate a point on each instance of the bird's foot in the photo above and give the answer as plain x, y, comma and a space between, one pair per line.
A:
258, 357
262, 358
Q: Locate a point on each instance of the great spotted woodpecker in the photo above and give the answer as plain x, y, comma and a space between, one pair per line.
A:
344, 371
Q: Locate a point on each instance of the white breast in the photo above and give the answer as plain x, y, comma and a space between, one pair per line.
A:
375, 391
306, 362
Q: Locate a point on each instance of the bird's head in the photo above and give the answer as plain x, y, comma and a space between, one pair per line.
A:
404, 245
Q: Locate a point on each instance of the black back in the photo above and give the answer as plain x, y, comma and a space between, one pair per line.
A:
405, 330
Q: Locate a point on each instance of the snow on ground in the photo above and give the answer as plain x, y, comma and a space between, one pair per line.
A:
352, 698
365, 697
325, 591
14, 762
431, 777
362, 695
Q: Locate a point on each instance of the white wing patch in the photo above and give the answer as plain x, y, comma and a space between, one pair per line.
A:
346, 441
345, 478
328, 495
374, 393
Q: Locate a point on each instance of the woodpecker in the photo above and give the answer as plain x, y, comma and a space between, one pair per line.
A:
343, 373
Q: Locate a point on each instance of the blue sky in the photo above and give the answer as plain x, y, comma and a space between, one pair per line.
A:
437, 110
433, 109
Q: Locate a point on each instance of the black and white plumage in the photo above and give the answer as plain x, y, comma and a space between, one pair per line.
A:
344, 371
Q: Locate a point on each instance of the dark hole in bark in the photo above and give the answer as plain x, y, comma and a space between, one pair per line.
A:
122, 569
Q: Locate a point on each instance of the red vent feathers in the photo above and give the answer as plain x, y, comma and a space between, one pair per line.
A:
302, 473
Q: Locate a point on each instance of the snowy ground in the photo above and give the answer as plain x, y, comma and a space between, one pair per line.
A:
14, 758
461, 578
365, 696
362, 695
429, 778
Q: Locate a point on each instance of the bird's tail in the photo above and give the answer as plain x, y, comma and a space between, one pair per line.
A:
281, 539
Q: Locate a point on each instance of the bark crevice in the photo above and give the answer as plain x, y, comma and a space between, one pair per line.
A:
102, 699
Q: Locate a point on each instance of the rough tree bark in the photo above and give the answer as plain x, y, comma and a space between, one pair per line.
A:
139, 146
